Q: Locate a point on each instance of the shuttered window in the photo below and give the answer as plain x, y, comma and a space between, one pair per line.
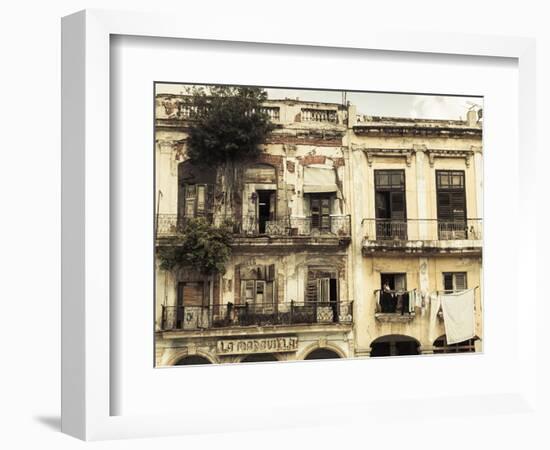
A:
454, 281
390, 194
451, 195
197, 199
191, 294
322, 286
320, 212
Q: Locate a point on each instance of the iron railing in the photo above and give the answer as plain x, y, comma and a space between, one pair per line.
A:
266, 314
395, 302
421, 229
340, 226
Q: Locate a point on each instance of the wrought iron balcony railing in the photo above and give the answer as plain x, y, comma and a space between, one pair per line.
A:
229, 315
340, 226
421, 229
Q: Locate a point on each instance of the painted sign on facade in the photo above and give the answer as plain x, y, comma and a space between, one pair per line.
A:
262, 345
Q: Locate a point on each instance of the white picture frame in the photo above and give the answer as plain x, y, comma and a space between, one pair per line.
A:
86, 285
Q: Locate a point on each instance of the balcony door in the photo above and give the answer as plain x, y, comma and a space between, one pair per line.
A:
266, 209
320, 212
390, 204
190, 299
451, 204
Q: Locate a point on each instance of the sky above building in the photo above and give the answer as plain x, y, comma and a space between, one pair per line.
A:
417, 106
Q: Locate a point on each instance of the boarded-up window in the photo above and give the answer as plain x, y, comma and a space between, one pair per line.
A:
191, 294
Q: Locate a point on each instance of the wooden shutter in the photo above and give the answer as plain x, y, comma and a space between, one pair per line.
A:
325, 213
247, 291
192, 293
311, 290
260, 292
460, 281
323, 290
190, 199
201, 199
315, 212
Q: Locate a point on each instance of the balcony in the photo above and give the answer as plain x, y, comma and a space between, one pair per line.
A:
194, 318
422, 236
329, 230
395, 306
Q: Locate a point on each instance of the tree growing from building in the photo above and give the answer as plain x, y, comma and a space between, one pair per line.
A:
228, 124
201, 246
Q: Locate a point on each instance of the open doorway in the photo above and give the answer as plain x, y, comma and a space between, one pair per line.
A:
266, 209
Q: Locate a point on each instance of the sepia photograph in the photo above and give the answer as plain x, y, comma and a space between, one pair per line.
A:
295, 224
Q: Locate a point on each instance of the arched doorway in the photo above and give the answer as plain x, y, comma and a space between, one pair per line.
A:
259, 357
441, 346
192, 360
394, 345
322, 353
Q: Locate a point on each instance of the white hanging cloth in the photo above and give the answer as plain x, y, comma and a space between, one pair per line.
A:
459, 315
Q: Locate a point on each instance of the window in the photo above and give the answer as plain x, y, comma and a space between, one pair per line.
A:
454, 281
196, 199
451, 204
320, 212
390, 204
322, 286
257, 292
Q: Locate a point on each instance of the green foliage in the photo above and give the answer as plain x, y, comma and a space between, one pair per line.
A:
201, 246
228, 124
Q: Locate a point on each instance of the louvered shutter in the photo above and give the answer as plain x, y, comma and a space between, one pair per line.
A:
460, 281
311, 290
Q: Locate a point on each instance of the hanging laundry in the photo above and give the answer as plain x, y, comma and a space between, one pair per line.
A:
459, 316
435, 306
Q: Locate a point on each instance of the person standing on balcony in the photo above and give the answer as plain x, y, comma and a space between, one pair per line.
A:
386, 300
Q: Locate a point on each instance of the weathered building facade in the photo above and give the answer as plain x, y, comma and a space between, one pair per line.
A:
335, 206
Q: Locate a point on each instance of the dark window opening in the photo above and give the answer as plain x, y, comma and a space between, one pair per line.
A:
451, 204
394, 297
259, 357
390, 204
266, 209
192, 360
322, 353
394, 346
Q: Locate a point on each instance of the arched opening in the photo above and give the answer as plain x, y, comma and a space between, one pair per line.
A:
192, 361
441, 346
395, 345
259, 357
322, 353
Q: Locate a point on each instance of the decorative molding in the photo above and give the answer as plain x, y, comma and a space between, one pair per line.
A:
392, 152
448, 153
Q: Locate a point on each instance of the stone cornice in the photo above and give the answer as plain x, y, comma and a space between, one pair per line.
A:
392, 130
407, 153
